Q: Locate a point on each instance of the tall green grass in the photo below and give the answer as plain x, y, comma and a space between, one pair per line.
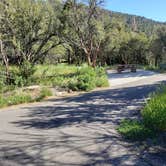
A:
72, 77
153, 118
154, 113
23, 97
134, 130
76, 78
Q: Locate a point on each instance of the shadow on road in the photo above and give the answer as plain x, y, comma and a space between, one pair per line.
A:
109, 106
77, 131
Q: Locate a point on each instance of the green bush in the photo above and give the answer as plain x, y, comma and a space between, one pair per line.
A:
72, 77
154, 113
85, 79
22, 75
18, 99
45, 92
102, 81
134, 130
2, 84
73, 84
86, 82
101, 78
27, 69
151, 67
88, 78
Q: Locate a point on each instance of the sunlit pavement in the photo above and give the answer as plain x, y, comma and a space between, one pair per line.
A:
78, 131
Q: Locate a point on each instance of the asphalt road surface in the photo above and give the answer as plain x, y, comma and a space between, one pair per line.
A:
80, 130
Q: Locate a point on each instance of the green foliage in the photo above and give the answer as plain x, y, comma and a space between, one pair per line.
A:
101, 79
151, 67
134, 130
45, 92
54, 75
29, 28
19, 97
14, 99
23, 74
2, 84
88, 78
154, 119
154, 113
84, 26
71, 77
26, 70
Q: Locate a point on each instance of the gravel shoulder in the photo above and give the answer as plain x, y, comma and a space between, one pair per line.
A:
79, 130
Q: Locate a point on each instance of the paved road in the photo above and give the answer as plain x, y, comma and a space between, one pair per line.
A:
77, 131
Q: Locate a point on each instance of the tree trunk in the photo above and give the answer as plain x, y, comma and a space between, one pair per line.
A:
5, 61
156, 61
69, 56
88, 56
89, 59
95, 55
94, 60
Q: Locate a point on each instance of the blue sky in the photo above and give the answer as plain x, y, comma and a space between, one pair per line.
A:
153, 9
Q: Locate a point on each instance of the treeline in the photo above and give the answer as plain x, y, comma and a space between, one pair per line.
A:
138, 23
53, 31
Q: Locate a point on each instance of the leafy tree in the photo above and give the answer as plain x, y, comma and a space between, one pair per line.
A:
158, 46
115, 34
134, 51
29, 28
84, 27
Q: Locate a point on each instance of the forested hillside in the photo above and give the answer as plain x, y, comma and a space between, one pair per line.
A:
138, 23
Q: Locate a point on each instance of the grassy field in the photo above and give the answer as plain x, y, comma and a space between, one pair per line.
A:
75, 78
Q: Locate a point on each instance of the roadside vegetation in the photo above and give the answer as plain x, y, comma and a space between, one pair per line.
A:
76, 78
161, 68
23, 96
153, 119
67, 77
38, 37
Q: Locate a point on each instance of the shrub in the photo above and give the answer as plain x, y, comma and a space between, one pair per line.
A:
22, 75
45, 92
27, 69
65, 76
154, 113
88, 78
86, 82
134, 130
2, 84
101, 78
85, 79
73, 84
151, 67
102, 81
